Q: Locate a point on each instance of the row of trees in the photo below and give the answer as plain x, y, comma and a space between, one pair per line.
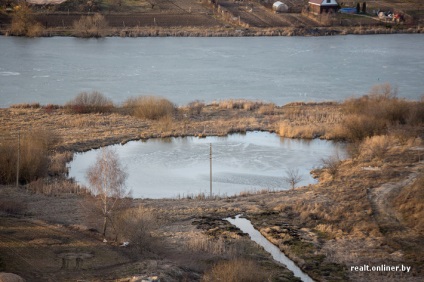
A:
24, 23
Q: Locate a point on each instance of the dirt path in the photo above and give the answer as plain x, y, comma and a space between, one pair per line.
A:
381, 202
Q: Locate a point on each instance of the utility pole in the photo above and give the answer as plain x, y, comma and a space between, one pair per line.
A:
19, 158
210, 174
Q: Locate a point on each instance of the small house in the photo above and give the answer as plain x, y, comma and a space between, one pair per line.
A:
280, 7
323, 6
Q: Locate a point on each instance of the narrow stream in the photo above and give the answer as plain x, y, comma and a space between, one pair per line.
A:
246, 226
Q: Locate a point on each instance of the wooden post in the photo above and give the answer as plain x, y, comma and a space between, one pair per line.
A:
210, 174
19, 157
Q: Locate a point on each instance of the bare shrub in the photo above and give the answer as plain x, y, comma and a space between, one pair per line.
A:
26, 106
230, 104
94, 102
136, 226
375, 147
235, 271
33, 148
251, 105
292, 177
203, 243
331, 164
150, 107
195, 107
23, 22
91, 26
374, 113
358, 127
267, 109
58, 163
239, 104
416, 113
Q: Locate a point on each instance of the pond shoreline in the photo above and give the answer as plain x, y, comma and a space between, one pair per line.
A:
83, 132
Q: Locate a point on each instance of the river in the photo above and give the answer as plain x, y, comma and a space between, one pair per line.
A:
273, 69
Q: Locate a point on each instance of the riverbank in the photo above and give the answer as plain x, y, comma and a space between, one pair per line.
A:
236, 32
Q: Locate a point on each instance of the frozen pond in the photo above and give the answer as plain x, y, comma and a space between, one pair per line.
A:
172, 167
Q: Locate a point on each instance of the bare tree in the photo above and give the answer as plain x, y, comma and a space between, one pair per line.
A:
292, 177
91, 26
107, 184
332, 164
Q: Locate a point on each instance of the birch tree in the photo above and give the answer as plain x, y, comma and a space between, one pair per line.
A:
107, 179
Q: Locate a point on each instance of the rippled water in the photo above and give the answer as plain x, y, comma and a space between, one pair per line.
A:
275, 69
160, 168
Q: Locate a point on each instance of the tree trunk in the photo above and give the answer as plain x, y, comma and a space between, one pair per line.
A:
104, 226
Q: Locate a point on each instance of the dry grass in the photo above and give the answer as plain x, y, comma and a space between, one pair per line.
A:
309, 120
150, 107
410, 203
240, 104
376, 147
26, 106
55, 187
30, 150
203, 243
287, 129
235, 271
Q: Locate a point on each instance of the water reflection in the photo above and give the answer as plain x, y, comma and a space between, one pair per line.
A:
246, 226
180, 166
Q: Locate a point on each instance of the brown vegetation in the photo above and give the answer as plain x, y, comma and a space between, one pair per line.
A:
26, 153
235, 271
378, 112
24, 23
94, 102
91, 26
410, 204
150, 107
